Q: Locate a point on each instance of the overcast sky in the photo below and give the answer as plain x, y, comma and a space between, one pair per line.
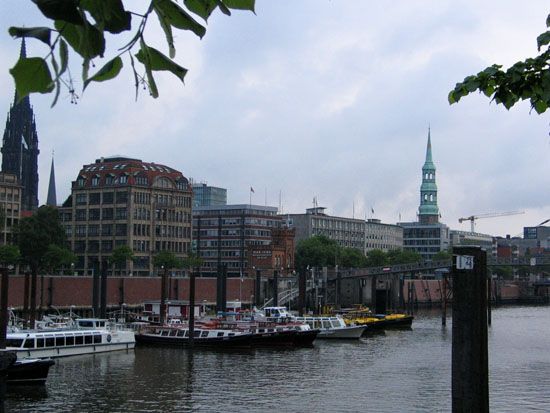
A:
319, 98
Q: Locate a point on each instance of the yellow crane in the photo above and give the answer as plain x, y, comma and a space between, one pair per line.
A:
473, 218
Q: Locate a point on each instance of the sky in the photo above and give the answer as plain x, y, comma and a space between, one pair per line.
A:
325, 99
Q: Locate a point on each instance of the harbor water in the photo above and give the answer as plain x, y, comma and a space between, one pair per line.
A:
397, 371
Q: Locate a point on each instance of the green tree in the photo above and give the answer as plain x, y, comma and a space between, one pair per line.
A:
377, 258
316, 251
9, 255
57, 257
352, 258
34, 236
442, 255
403, 257
120, 256
165, 260
527, 79
83, 25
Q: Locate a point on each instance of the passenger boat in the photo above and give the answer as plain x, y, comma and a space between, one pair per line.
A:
179, 336
333, 327
29, 371
87, 336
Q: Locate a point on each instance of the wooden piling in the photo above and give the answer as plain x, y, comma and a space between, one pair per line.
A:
275, 288
470, 371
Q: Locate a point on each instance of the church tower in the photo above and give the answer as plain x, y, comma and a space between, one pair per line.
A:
20, 148
428, 212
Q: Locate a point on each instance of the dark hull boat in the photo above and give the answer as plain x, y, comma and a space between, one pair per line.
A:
29, 371
179, 336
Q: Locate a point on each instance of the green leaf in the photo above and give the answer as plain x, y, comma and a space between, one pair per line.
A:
109, 14
86, 40
204, 8
146, 56
240, 4
177, 17
548, 21
63, 56
41, 33
110, 70
540, 106
155, 60
543, 39
66, 10
167, 28
31, 75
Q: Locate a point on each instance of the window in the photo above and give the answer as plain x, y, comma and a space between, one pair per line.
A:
141, 180
121, 197
121, 213
95, 180
120, 229
80, 215
107, 197
107, 213
80, 181
107, 229
94, 214
95, 198
123, 179
109, 179
81, 199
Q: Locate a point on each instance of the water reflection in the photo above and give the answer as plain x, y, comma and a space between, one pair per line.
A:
396, 371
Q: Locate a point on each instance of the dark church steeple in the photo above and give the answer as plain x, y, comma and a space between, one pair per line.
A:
20, 148
52, 197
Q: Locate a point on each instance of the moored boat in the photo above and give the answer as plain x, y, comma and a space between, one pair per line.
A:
29, 371
378, 321
87, 336
207, 337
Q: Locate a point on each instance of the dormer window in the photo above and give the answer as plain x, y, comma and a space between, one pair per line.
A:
80, 181
109, 179
95, 180
123, 179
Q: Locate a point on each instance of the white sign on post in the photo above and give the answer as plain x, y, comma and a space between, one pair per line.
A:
464, 262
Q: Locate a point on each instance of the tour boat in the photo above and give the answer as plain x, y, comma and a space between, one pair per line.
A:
179, 336
87, 336
328, 326
378, 321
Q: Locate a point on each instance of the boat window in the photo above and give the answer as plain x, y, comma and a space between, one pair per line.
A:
164, 332
78, 340
97, 339
85, 323
326, 324
50, 341
186, 333
173, 332
60, 341
220, 333
88, 339
204, 334
29, 342
335, 324
196, 333
231, 334
180, 333
14, 342
69, 340
261, 330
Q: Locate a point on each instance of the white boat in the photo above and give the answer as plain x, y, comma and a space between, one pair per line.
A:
87, 336
328, 326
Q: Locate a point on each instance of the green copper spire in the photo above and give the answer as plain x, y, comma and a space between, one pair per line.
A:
428, 211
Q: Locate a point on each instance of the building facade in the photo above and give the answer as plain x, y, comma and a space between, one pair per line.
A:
222, 236
20, 148
123, 201
204, 195
473, 238
347, 232
10, 204
427, 236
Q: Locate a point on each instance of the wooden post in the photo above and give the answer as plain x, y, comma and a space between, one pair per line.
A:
275, 288
34, 276
302, 292
470, 367
26, 292
95, 288
103, 310
444, 301
163, 279
489, 292
258, 286
4, 316
192, 305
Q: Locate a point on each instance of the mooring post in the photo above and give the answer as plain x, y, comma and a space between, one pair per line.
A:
4, 316
490, 296
275, 288
95, 288
103, 301
470, 371
192, 305
258, 288
444, 301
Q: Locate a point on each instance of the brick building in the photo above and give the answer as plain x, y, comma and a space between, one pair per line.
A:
122, 201
10, 204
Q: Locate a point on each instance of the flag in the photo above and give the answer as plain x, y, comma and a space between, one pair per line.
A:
372, 210
251, 189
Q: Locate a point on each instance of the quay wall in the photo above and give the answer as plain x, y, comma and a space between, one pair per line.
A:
66, 291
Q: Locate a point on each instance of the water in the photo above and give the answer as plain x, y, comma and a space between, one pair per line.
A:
399, 371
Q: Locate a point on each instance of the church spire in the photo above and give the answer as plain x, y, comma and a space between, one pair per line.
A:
52, 198
428, 211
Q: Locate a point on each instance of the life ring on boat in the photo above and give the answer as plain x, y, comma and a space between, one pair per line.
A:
108, 338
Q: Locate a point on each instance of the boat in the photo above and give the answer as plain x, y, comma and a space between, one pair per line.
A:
86, 336
28, 371
202, 337
329, 327
378, 321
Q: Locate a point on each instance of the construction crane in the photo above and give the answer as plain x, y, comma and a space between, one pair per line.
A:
473, 218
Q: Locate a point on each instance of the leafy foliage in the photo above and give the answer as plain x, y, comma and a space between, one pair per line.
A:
35, 235
82, 26
57, 257
9, 255
528, 79
167, 260
121, 255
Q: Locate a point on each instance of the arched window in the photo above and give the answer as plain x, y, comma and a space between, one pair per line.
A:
431, 197
425, 197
